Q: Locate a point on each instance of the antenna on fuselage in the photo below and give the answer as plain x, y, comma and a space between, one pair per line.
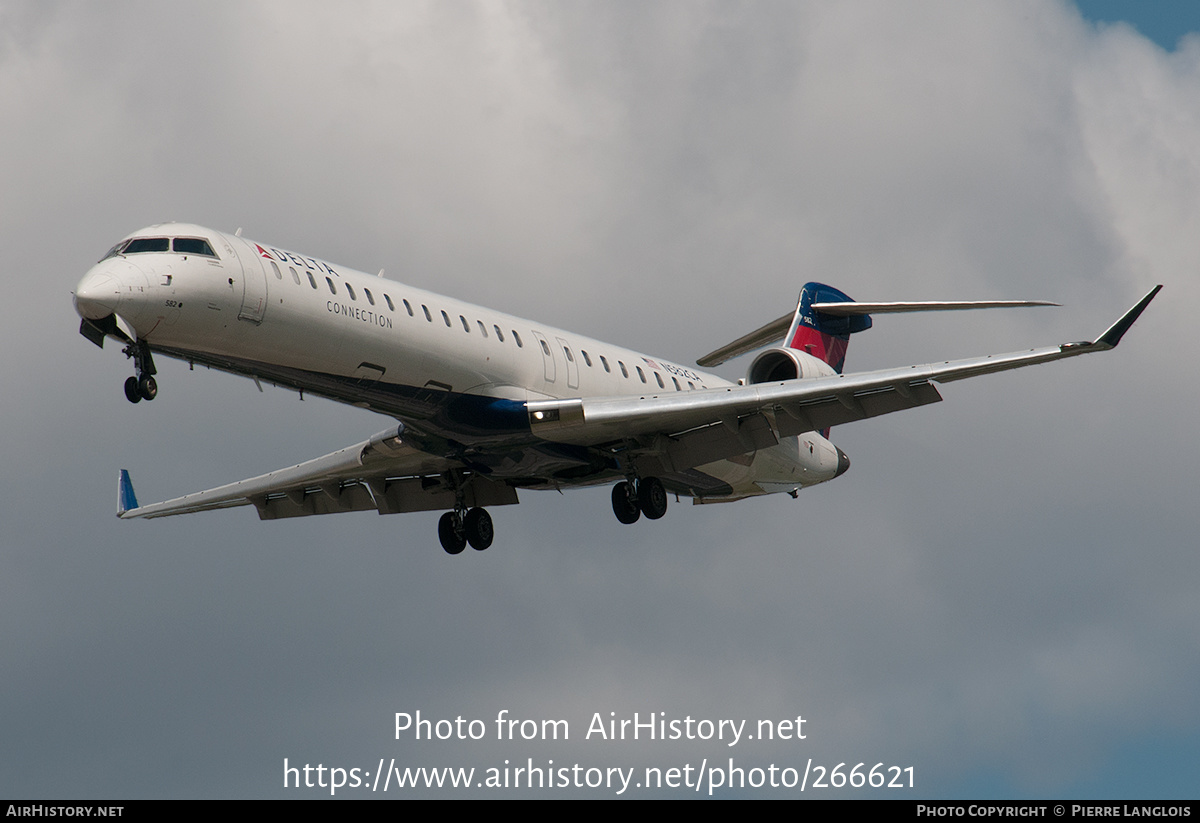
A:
381, 272
238, 233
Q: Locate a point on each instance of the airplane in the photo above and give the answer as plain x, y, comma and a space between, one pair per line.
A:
484, 403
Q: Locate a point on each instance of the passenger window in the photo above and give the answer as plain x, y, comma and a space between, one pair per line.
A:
604, 363
428, 316
446, 317
641, 373
677, 386
466, 325
295, 276
482, 328
311, 279
278, 273
570, 357
691, 385
545, 348
586, 359
499, 334
407, 305
624, 371
350, 289
517, 338
370, 297
662, 385
387, 298
332, 289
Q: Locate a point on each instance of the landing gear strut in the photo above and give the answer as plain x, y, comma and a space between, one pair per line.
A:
632, 499
142, 386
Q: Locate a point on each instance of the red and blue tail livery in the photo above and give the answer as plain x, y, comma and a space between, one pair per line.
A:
821, 334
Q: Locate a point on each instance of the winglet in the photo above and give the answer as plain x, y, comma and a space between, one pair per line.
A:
126, 499
1117, 330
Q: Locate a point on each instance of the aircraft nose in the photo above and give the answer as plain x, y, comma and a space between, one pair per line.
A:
843, 462
96, 296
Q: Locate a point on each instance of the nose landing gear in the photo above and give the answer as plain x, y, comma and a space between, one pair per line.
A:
142, 386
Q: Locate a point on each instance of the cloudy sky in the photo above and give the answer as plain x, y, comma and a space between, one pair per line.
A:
999, 594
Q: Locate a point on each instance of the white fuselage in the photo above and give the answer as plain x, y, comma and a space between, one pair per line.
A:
299, 321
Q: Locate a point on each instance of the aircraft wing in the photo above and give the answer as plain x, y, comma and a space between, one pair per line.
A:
381, 474
682, 430
663, 433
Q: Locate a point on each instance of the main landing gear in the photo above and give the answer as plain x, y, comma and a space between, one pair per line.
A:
142, 386
456, 530
633, 498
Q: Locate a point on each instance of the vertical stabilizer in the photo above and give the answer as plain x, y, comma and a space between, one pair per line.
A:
824, 336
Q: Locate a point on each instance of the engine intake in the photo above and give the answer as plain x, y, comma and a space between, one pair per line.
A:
774, 365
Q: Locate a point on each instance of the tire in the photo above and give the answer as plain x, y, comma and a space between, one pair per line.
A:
652, 497
132, 393
624, 506
147, 387
451, 534
478, 526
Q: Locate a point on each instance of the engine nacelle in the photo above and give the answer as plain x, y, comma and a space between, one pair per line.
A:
778, 364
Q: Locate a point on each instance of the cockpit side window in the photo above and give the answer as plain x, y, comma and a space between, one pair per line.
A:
141, 245
192, 245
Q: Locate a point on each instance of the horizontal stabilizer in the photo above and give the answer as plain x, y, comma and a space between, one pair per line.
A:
763, 336
850, 309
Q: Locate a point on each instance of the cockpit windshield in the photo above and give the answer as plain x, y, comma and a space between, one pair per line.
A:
192, 245
141, 245
179, 245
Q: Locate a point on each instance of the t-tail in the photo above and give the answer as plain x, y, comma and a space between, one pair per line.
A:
826, 317
820, 333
